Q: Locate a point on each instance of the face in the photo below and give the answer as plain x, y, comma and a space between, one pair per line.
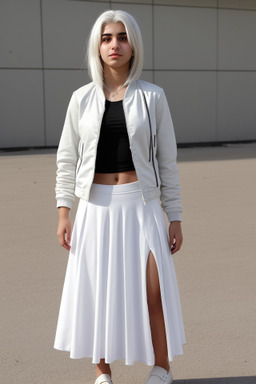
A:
115, 50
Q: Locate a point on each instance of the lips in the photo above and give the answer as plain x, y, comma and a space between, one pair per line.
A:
115, 55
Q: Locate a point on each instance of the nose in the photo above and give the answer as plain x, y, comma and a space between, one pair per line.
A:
115, 45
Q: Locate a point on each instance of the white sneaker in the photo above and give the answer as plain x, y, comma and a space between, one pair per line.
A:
159, 375
103, 379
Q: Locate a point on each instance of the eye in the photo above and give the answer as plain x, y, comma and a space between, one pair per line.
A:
123, 38
105, 39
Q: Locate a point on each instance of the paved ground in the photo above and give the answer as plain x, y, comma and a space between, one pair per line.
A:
216, 271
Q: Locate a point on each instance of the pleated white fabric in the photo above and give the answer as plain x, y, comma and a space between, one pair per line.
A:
104, 312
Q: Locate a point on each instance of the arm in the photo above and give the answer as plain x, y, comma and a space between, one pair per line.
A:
66, 172
67, 156
166, 156
170, 188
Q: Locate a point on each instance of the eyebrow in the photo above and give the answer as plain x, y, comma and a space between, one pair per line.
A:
110, 34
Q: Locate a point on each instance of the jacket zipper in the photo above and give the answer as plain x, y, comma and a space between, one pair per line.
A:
151, 149
81, 159
153, 163
143, 198
98, 137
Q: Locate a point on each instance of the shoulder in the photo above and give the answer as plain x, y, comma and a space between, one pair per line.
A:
84, 90
150, 87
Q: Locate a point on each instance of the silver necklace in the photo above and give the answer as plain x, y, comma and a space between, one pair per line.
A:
111, 93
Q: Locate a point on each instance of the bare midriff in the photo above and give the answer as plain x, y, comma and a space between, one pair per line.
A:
115, 178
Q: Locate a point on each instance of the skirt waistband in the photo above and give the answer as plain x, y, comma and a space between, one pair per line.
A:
117, 189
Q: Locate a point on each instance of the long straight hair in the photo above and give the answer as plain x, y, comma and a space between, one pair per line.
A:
95, 67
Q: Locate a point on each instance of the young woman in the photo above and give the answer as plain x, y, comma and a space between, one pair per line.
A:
117, 153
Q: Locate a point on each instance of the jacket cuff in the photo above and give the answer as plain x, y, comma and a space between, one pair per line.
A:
64, 203
174, 216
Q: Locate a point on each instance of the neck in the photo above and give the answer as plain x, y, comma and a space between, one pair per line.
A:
114, 79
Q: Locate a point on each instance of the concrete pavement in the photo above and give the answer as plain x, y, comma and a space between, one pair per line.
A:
216, 271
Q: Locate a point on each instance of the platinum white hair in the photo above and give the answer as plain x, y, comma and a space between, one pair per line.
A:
95, 67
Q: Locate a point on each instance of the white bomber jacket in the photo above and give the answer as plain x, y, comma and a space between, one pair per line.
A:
152, 144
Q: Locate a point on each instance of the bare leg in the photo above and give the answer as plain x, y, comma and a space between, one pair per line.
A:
102, 367
156, 315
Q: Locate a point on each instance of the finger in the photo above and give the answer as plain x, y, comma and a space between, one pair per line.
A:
177, 245
173, 247
172, 240
63, 242
67, 239
66, 246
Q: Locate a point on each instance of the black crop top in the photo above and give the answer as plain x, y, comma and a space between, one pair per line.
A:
113, 152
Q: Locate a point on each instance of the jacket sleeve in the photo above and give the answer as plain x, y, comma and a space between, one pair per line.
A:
166, 156
67, 156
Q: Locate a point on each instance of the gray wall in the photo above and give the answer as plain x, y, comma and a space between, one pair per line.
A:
201, 52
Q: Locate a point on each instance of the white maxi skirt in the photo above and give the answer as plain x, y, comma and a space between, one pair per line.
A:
104, 311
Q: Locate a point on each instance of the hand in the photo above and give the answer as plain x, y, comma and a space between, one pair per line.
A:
64, 228
175, 236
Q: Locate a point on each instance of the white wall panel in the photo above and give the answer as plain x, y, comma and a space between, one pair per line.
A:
185, 38
59, 86
21, 108
147, 76
237, 4
143, 15
66, 26
188, 3
237, 34
192, 101
202, 52
20, 34
132, 2
236, 106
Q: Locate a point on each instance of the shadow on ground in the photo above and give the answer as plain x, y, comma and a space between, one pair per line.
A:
221, 380
27, 151
215, 153
232, 151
